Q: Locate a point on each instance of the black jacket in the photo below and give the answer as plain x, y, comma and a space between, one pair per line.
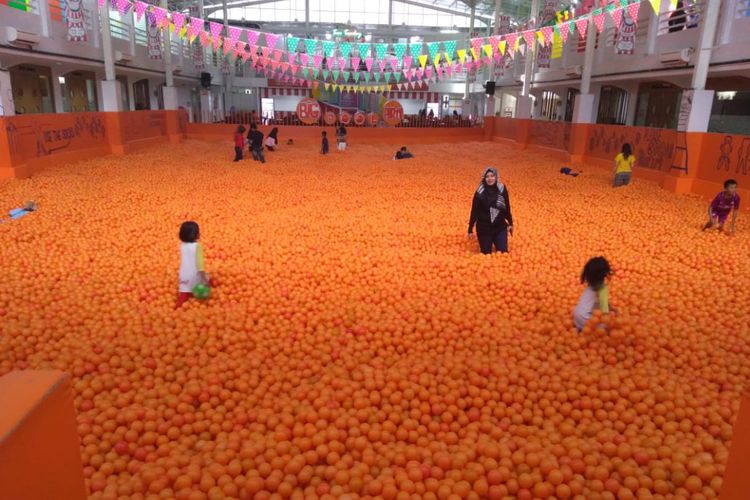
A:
256, 139
480, 210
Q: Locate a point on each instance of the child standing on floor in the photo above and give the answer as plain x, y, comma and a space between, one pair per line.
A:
596, 295
725, 202
341, 138
192, 269
239, 142
624, 163
324, 143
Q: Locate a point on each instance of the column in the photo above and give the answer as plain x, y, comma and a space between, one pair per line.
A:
110, 94
227, 78
489, 108
653, 30
390, 12
583, 109
471, 30
524, 105
169, 92
701, 101
7, 106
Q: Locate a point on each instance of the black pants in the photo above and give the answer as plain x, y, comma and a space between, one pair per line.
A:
237, 153
258, 155
492, 235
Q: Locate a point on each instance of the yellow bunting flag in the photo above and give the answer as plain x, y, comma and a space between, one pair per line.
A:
437, 59
447, 57
540, 38
487, 49
327, 86
462, 55
517, 45
673, 4
501, 47
557, 47
656, 5
183, 32
474, 53
422, 60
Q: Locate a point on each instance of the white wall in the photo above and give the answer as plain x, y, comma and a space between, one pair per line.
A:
412, 106
286, 102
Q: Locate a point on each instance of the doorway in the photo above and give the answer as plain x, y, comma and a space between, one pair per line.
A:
613, 106
570, 100
658, 104
141, 95
78, 89
32, 89
266, 109
124, 97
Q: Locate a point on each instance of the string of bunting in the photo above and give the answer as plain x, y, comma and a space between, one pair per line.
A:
338, 68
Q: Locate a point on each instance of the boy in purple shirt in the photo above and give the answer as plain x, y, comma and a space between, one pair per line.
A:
725, 202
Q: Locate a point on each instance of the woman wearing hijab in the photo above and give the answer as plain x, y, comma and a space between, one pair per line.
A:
490, 211
273, 139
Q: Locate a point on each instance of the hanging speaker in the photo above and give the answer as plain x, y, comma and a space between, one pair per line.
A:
206, 80
489, 87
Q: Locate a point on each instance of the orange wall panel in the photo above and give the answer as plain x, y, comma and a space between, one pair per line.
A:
40, 455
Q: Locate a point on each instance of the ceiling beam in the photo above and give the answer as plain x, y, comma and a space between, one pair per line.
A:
213, 7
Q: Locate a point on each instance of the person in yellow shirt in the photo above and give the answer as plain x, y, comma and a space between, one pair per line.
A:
624, 163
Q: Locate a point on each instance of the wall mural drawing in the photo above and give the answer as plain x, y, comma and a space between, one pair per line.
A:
725, 149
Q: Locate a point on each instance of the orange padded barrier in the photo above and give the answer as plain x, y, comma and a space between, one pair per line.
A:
40, 455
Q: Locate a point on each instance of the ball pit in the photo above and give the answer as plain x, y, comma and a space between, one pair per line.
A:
357, 345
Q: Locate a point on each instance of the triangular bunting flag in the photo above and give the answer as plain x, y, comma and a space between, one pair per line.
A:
382, 64
501, 47
252, 37
436, 61
345, 48
328, 47
336, 74
462, 55
476, 44
367, 76
341, 62
394, 63
310, 46
633, 9
397, 76
234, 33
195, 27
399, 49
228, 45
271, 40
291, 56
355, 63
291, 43
474, 53
547, 34
582, 25
407, 61
656, 5
277, 54
528, 37
215, 29
325, 74
564, 29
387, 75
380, 49
327, 86
161, 17
422, 60
415, 49
178, 19
303, 58
140, 8
356, 76
363, 49
616, 15
488, 49
599, 19
368, 63
317, 60
433, 48
346, 76
315, 72
511, 38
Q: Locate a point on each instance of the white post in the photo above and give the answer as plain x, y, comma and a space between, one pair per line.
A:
110, 95
169, 92
307, 17
390, 12
583, 109
44, 18
700, 101
228, 77
524, 106
471, 31
653, 30
7, 106
489, 107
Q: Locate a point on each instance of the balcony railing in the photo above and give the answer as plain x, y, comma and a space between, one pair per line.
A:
688, 17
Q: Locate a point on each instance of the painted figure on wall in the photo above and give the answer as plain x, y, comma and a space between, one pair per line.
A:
76, 21
626, 36
153, 34
544, 53
726, 150
743, 157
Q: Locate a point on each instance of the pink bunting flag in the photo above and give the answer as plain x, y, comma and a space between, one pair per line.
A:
599, 20
368, 63
294, 67
355, 63
215, 29
204, 38
277, 55
228, 46
234, 33
510, 40
274, 65
123, 6
160, 15
582, 26
101, 3
633, 11
449, 69
217, 44
291, 56
440, 72
476, 44
617, 16
547, 34
498, 58
382, 64
394, 63
265, 51
140, 9
252, 37
317, 59
407, 61
428, 71
195, 27
271, 40
419, 74
342, 63
528, 36
284, 66
564, 31
303, 57
178, 20
494, 41
245, 56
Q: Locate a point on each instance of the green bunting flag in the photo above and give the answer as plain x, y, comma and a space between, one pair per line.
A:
367, 76
398, 76
346, 49
356, 76
315, 72
336, 74
328, 47
376, 76
325, 74
387, 75
450, 48
305, 72
380, 49
400, 50
346, 76
291, 43
415, 49
310, 46
432, 49
364, 50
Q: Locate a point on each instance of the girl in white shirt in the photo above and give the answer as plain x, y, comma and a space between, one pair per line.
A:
192, 269
273, 139
596, 295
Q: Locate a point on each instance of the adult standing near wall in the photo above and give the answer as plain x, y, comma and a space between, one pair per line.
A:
490, 212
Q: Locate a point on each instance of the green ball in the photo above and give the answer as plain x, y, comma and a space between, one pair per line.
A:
201, 291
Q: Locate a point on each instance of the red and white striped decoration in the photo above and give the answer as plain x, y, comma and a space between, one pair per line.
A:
267, 92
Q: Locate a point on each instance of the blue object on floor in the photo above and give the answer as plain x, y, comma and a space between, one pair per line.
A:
17, 213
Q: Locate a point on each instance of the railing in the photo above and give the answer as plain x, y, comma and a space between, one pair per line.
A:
140, 37
119, 29
688, 17
743, 8
290, 119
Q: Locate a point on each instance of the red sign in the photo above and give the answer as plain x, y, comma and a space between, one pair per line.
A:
359, 118
345, 118
308, 111
373, 119
329, 117
393, 113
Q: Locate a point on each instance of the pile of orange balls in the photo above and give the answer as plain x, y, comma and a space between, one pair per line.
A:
357, 345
